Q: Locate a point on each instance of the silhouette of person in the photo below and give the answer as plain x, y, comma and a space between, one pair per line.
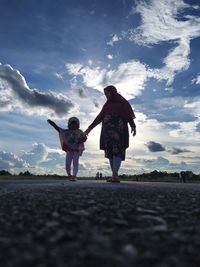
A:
182, 176
114, 140
72, 140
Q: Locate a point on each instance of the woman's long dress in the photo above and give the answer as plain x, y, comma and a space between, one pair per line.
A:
114, 137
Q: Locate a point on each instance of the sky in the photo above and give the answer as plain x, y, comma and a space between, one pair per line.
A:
56, 57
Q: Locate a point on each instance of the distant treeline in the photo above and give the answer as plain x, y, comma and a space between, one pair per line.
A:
151, 176
27, 174
163, 176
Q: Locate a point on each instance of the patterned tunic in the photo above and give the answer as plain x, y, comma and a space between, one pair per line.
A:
71, 140
114, 136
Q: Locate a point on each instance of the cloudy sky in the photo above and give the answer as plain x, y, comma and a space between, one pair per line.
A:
57, 56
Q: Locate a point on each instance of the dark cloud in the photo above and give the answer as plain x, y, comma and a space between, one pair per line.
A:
157, 162
43, 103
198, 127
175, 150
5, 105
81, 93
155, 147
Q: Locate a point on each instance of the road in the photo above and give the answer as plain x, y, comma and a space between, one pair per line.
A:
94, 223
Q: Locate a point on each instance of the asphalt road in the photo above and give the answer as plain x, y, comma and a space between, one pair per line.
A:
92, 224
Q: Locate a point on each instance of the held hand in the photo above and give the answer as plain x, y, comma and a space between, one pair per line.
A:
87, 131
83, 138
133, 130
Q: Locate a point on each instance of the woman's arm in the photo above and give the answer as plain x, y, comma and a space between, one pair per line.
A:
52, 123
133, 126
96, 121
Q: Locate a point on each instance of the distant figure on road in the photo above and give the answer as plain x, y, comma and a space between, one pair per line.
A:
97, 175
72, 142
182, 176
114, 140
185, 175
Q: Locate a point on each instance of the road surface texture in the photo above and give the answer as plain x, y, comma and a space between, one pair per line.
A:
98, 224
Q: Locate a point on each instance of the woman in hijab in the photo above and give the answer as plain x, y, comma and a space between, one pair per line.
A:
114, 140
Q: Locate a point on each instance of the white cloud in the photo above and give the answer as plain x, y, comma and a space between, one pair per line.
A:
58, 75
158, 162
182, 135
185, 105
109, 56
176, 61
196, 80
89, 103
38, 154
169, 89
160, 24
42, 159
15, 93
129, 78
90, 62
161, 164
193, 106
185, 133
74, 69
146, 129
115, 38
10, 161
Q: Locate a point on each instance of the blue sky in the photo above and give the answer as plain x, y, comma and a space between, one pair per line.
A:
57, 56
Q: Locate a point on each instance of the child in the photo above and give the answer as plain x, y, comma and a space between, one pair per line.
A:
72, 140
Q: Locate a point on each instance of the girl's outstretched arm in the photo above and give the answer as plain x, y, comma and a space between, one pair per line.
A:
52, 123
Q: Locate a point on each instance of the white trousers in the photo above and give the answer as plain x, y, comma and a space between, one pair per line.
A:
72, 157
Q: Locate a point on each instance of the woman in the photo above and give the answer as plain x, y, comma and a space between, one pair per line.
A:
114, 140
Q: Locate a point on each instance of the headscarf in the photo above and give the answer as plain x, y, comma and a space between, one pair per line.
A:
117, 104
73, 119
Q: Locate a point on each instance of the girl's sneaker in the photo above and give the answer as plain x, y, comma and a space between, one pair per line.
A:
73, 179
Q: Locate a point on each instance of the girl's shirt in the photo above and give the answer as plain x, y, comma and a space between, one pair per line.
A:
72, 140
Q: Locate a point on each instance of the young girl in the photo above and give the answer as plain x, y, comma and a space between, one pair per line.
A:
71, 140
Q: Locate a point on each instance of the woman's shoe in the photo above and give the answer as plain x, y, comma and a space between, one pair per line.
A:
113, 180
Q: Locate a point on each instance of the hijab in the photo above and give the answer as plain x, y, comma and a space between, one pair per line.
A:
117, 104
73, 119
